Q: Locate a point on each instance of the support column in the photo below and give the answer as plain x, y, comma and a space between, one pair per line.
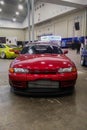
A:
85, 27
32, 5
86, 23
29, 36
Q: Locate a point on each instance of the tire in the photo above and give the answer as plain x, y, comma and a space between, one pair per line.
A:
3, 55
83, 61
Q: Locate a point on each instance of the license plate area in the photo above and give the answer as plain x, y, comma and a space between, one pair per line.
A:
43, 84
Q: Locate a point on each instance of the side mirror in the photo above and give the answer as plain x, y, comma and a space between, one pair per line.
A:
65, 51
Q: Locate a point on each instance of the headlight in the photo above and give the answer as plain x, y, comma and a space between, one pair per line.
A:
18, 70
65, 70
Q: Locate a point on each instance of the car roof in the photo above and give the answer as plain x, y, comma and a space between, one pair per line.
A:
43, 43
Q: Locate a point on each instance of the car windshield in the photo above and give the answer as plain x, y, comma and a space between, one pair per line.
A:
41, 49
12, 46
2, 46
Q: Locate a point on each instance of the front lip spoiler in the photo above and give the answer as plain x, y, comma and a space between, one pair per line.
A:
53, 92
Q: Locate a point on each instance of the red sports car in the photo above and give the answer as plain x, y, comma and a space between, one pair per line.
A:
42, 68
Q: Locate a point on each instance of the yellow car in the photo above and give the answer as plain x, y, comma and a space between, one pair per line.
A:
9, 51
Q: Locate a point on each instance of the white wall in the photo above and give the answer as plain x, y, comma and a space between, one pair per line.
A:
63, 26
44, 11
10, 24
8, 32
58, 24
76, 17
49, 11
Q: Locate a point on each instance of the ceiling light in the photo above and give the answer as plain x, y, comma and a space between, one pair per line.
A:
2, 2
17, 13
14, 19
0, 10
20, 6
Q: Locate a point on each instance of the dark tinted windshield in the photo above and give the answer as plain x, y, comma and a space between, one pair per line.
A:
41, 49
2, 46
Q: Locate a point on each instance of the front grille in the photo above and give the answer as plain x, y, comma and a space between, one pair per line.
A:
20, 84
43, 71
68, 83
43, 84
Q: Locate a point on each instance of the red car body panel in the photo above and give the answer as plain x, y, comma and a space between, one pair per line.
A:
37, 61
42, 67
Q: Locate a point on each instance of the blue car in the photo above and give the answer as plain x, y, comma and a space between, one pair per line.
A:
84, 57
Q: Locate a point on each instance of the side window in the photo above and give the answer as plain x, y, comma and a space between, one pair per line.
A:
28, 50
57, 50
32, 50
3, 46
25, 50
0, 46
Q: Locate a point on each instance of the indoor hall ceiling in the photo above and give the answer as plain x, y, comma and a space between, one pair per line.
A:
70, 3
9, 9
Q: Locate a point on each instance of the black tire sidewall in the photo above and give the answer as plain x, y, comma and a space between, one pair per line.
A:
3, 57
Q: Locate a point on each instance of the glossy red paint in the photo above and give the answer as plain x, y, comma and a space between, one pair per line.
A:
42, 67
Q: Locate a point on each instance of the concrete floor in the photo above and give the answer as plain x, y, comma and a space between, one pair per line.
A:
56, 113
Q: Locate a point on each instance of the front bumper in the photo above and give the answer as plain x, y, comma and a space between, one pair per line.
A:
29, 84
43, 92
23, 88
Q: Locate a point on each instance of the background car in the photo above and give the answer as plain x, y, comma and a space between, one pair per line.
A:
42, 69
84, 57
9, 51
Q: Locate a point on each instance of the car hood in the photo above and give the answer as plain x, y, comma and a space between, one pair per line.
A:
42, 61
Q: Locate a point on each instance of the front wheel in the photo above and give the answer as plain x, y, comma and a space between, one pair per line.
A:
3, 55
82, 61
